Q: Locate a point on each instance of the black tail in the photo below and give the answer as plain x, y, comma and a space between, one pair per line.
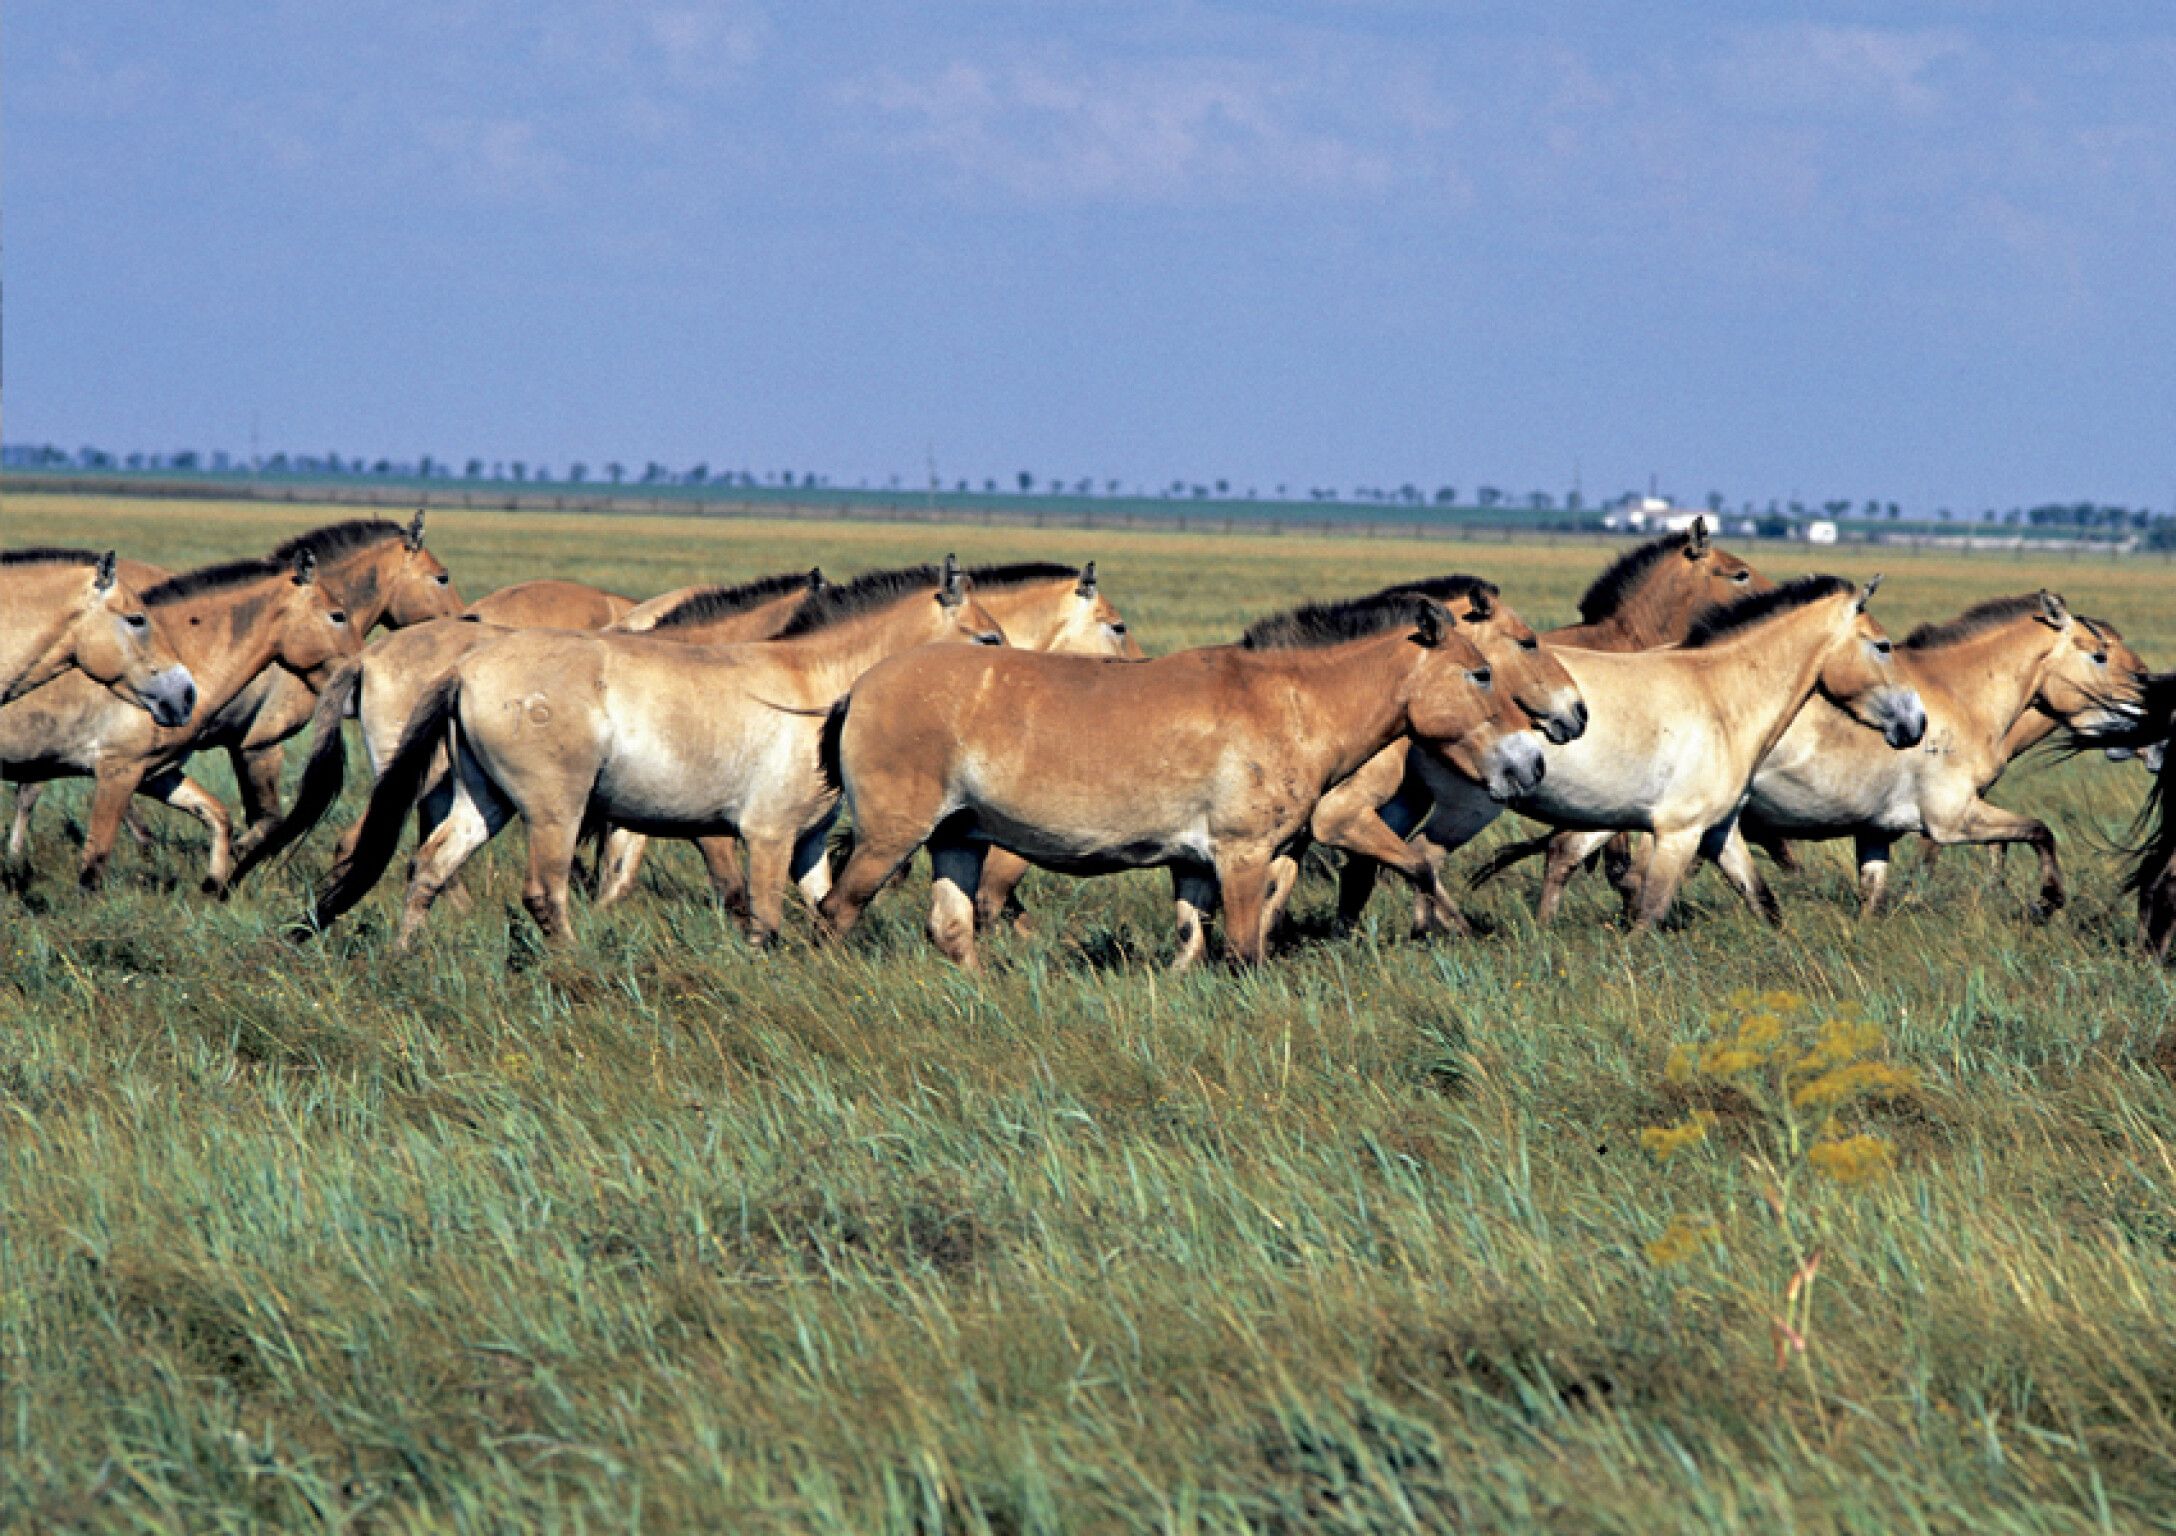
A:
1506, 857
827, 746
323, 772
378, 834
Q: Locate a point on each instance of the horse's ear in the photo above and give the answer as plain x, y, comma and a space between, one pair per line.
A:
305, 567
1087, 587
2054, 612
815, 578
952, 588
102, 578
415, 531
1697, 546
1867, 595
1480, 605
1431, 624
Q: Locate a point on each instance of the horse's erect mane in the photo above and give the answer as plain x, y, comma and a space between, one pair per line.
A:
1314, 625
48, 557
1623, 575
713, 603
1021, 573
1734, 618
1975, 620
1444, 588
878, 589
336, 539
214, 578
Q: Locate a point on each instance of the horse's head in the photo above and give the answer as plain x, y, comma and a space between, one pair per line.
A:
2094, 681
1458, 710
1859, 674
117, 643
1522, 666
419, 588
1089, 624
1711, 575
311, 631
960, 616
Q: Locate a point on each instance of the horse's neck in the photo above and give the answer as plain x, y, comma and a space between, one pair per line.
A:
1356, 696
1988, 680
221, 661
1026, 614
362, 582
1760, 679
833, 658
24, 640
1643, 622
2027, 731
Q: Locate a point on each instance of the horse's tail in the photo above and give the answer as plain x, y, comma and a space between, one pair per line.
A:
828, 746
323, 772
377, 835
1507, 857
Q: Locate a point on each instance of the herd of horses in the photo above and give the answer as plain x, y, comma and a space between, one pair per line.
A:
1003, 716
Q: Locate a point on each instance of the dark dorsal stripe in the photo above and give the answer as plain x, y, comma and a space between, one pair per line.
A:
1445, 589
48, 557
1733, 618
878, 589
1975, 620
1624, 575
336, 539
214, 578
1321, 624
1021, 573
713, 603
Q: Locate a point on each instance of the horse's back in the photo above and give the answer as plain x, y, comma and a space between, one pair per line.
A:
550, 603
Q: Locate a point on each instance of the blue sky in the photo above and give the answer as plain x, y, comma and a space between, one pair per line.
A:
1913, 251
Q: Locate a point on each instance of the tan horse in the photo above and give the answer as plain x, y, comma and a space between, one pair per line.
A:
1982, 675
1206, 762
1675, 735
663, 738
63, 609
1349, 817
229, 623
379, 573
550, 604
384, 685
691, 607
1653, 593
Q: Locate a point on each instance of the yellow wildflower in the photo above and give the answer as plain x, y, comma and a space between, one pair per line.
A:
1857, 1080
1666, 1140
1840, 1041
1853, 1159
1681, 1240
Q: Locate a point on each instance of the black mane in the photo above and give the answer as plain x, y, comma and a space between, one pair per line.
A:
1731, 618
214, 578
1624, 574
1314, 625
45, 556
878, 589
336, 539
1444, 588
1975, 620
714, 603
1021, 573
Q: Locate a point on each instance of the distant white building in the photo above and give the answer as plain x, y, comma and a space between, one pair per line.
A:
1638, 514
1821, 532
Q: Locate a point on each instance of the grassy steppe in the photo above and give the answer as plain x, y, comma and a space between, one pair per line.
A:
657, 1234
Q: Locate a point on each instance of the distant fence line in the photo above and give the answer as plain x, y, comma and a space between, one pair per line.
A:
499, 498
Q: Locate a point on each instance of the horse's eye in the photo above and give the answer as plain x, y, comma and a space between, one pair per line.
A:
443, 577
1741, 577
2100, 658
1118, 626
1530, 643
1881, 647
138, 622
339, 616
1482, 677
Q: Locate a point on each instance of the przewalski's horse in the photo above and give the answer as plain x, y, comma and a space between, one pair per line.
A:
1653, 593
1207, 762
1349, 816
63, 609
550, 604
383, 686
691, 607
378, 572
1674, 736
664, 738
228, 623
1982, 676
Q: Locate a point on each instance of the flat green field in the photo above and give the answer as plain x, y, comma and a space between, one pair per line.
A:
658, 1233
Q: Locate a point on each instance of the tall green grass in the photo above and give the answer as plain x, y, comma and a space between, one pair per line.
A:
658, 1233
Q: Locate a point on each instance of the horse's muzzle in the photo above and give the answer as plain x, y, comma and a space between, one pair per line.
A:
1515, 766
1565, 723
170, 696
1903, 718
